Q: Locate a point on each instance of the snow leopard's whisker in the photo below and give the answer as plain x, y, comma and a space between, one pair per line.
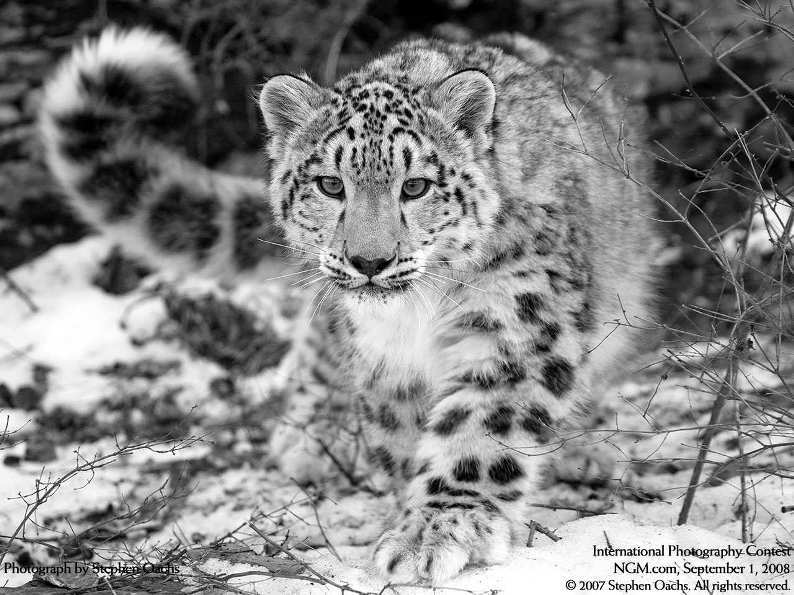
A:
475, 262
433, 287
322, 289
320, 248
308, 272
303, 283
426, 303
428, 308
315, 271
473, 257
289, 247
418, 309
454, 280
437, 291
443, 260
326, 295
409, 295
462, 271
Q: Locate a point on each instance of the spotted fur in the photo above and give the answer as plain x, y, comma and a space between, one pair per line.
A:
466, 324
106, 118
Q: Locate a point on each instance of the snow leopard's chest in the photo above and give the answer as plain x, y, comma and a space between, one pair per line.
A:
410, 342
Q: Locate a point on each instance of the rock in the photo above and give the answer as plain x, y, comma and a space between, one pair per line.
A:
119, 274
147, 368
6, 396
19, 178
15, 142
31, 103
11, 14
27, 398
79, 577
12, 460
69, 425
25, 560
76, 549
29, 64
11, 35
9, 114
41, 376
40, 449
11, 92
223, 387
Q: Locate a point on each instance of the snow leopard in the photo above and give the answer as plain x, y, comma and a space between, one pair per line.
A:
473, 215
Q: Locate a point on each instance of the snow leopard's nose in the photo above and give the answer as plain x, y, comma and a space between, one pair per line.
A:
369, 267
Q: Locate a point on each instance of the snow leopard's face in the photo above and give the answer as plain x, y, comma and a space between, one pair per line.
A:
377, 182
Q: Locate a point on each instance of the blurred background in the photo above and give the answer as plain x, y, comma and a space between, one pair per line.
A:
727, 48
714, 411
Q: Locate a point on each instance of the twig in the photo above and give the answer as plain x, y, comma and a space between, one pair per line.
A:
294, 558
21, 293
313, 504
335, 49
580, 510
535, 526
46, 489
742, 476
728, 383
531, 536
682, 68
335, 460
735, 77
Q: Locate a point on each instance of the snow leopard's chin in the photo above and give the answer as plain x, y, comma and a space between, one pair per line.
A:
370, 297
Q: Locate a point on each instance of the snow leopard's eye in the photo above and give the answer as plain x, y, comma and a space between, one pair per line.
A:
331, 186
415, 188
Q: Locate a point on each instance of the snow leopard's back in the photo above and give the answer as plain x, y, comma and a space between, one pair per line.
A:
568, 147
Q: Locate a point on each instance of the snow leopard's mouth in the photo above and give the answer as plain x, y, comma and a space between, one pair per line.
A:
394, 287
370, 290
391, 283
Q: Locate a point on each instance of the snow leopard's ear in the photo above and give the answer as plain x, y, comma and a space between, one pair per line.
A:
467, 99
286, 101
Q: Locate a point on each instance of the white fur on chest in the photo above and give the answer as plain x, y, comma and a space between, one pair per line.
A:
404, 340
398, 334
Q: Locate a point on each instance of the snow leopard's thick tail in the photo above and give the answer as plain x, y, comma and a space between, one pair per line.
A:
106, 118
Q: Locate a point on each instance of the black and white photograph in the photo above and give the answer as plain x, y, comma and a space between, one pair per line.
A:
396, 297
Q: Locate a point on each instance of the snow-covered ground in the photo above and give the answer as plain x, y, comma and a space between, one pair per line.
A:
102, 371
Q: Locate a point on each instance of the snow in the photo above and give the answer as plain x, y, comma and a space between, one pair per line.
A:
223, 480
543, 568
77, 326
769, 228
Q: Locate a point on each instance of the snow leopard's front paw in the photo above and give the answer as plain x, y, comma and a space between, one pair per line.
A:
435, 541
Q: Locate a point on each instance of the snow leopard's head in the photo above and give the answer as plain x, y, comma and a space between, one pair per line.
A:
379, 180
